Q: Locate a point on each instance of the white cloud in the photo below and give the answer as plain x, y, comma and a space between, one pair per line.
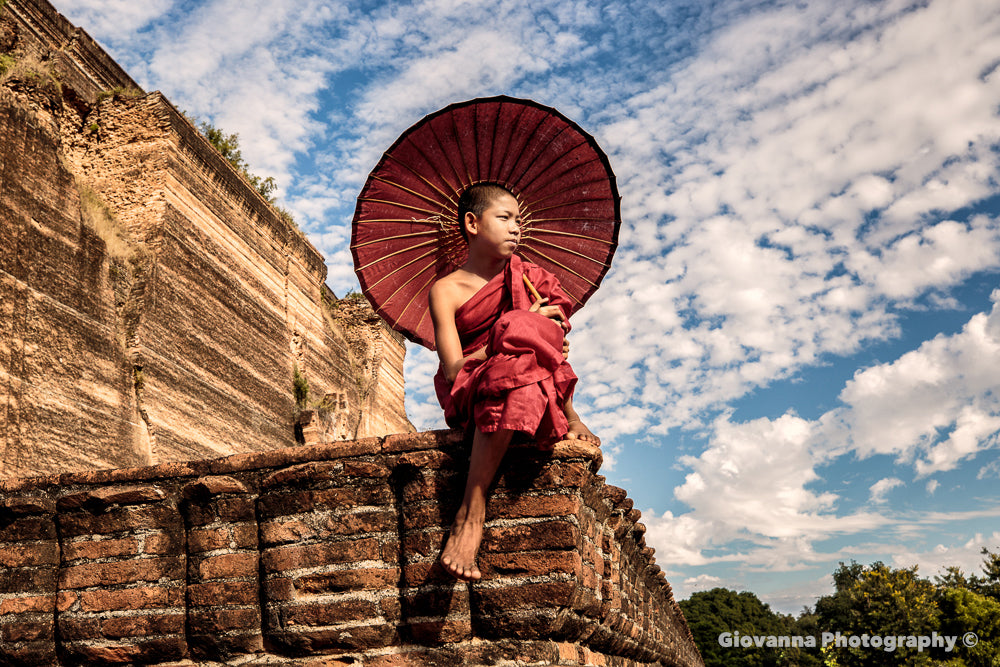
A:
948, 384
966, 556
932, 486
880, 489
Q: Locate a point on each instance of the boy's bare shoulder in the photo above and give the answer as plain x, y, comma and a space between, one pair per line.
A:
453, 289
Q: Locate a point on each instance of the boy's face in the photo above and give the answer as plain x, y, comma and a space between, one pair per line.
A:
499, 227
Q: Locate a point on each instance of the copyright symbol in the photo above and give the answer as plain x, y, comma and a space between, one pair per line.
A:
970, 639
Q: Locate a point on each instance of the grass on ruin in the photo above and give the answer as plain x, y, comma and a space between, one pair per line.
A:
29, 68
102, 220
119, 92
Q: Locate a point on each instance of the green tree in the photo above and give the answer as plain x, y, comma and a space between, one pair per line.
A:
883, 601
228, 146
720, 610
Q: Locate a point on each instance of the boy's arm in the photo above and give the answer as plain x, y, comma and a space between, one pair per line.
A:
443, 304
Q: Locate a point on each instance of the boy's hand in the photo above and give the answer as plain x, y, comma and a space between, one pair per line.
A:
565, 349
554, 313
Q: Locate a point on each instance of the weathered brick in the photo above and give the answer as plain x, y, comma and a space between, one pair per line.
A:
424, 542
87, 575
331, 613
444, 631
533, 506
535, 563
205, 487
218, 593
29, 554
136, 651
406, 442
225, 509
162, 544
28, 528
311, 555
120, 519
359, 468
354, 523
208, 539
226, 566
349, 638
94, 549
533, 536
289, 504
149, 597
143, 625
439, 601
520, 596
346, 580
27, 630
217, 621
31, 580
27, 603
77, 628
279, 589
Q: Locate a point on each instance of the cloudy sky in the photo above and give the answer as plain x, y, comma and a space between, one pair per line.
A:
795, 359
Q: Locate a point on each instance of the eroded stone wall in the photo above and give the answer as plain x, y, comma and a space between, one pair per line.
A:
177, 334
331, 551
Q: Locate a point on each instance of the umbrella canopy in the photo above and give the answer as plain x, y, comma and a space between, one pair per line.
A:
405, 233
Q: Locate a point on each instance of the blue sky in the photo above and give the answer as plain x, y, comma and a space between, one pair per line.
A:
795, 358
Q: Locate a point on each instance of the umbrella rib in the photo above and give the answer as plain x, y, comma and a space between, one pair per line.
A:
406, 283
560, 265
493, 143
510, 136
576, 201
572, 252
544, 230
571, 188
425, 221
418, 175
396, 237
555, 159
575, 165
537, 155
393, 254
405, 189
412, 298
399, 268
461, 153
399, 205
430, 162
527, 141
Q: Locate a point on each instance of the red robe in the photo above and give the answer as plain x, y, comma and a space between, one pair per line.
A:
524, 380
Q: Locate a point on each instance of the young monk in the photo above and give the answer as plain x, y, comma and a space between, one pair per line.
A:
503, 357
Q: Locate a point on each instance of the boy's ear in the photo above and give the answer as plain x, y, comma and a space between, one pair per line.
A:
471, 223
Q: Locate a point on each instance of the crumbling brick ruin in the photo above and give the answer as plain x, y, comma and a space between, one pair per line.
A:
278, 557
155, 308
160, 326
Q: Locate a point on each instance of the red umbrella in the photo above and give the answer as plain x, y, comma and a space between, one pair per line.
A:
405, 233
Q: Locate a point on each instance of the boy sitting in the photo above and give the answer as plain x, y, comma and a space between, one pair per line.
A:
503, 357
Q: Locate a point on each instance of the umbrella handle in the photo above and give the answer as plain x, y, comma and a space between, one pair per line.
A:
531, 288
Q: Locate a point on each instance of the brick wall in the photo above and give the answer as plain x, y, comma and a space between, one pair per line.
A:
284, 556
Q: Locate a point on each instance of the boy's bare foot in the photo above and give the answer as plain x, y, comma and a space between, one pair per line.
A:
458, 557
579, 431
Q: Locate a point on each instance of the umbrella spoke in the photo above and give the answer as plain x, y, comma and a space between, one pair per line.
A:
405, 284
406, 189
560, 265
414, 297
572, 252
397, 237
393, 254
399, 205
424, 180
545, 230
